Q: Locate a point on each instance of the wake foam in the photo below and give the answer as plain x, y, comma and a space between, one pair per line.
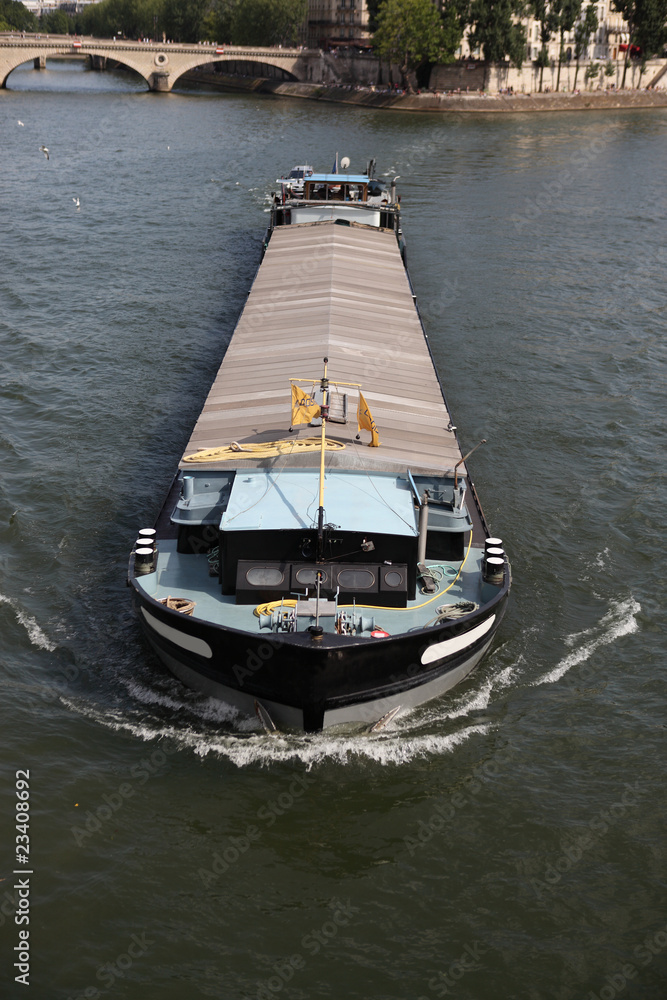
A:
154, 708
618, 621
35, 634
392, 746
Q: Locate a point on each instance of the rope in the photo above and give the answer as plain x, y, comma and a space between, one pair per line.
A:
182, 604
266, 609
449, 612
264, 449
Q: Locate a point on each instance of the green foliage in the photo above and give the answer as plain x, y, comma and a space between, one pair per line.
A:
14, 16
496, 30
649, 20
647, 24
184, 21
130, 18
56, 22
373, 7
455, 16
217, 24
609, 68
584, 30
569, 11
592, 71
267, 22
547, 13
411, 33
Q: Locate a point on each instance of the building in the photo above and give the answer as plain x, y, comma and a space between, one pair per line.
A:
39, 7
604, 44
336, 24
609, 41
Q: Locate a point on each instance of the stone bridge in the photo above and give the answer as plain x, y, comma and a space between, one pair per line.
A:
159, 63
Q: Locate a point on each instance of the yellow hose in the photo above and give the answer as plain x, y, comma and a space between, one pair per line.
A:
264, 449
423, 605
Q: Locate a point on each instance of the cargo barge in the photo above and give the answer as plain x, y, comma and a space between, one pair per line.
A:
322, 558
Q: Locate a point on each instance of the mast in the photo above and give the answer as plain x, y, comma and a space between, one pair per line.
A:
324, 409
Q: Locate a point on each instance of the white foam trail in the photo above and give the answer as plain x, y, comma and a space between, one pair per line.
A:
389, 747
619, 620
206, 709
35, 634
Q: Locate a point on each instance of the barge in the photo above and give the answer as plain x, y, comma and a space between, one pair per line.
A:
322, 558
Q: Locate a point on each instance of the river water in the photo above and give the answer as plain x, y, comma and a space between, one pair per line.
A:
506, 841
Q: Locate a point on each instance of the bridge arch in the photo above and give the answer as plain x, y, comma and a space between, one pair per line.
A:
239, 65
9, 61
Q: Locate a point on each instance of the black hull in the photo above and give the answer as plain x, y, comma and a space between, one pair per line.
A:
309, 684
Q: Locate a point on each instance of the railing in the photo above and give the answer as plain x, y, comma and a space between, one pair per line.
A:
61, 41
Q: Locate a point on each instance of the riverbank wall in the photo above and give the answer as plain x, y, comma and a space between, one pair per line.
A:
442, 102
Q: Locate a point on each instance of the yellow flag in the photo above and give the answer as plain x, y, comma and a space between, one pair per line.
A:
366, 422
304, 406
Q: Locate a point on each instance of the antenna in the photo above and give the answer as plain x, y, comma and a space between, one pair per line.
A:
345, 162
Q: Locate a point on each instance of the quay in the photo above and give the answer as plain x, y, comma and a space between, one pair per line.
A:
438, 103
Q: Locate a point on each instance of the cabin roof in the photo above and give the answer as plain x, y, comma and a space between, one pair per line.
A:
283, 500
341, 292
338, 179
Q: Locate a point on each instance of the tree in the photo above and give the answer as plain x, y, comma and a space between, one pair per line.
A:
217, 25
14, 16
592, 72
647, 26
268, 22
582, 34
496, 30
546, 13
411, 33
132, 18
56, 22
373, 7
183, 20
569, 11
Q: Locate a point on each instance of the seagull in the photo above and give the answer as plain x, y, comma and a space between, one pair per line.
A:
21, 124
77, 202
45, 151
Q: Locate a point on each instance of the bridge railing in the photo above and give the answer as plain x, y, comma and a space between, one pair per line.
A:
9, 40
